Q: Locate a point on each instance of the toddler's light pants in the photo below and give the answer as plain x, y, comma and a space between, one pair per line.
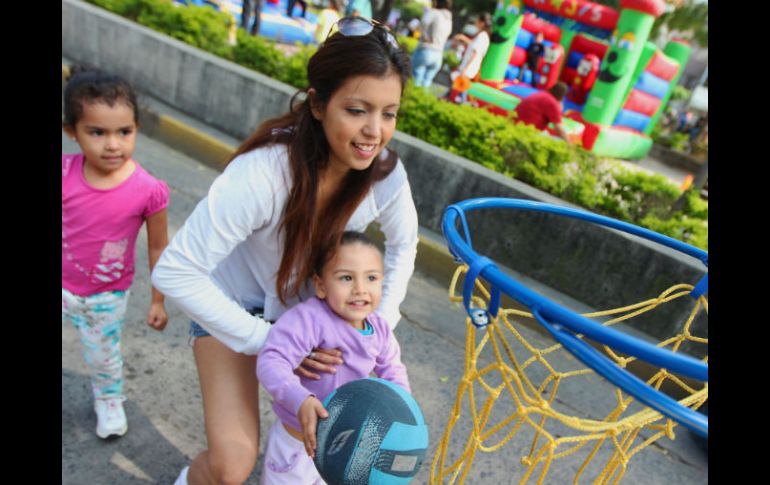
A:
99, 319
286, 461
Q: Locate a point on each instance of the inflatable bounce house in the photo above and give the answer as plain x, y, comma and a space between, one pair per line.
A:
274, 24
619, 82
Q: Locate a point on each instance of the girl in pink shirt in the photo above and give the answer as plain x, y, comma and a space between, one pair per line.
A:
106, 197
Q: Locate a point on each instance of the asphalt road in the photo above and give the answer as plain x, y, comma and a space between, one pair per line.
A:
164, 403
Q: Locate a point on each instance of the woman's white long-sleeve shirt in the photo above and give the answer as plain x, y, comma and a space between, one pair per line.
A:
225, 257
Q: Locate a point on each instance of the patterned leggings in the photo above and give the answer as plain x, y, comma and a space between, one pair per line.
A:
99, 319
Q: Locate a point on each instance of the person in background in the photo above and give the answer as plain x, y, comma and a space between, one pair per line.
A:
543, 107
326, 20
290, 7
476, 49
429, 55
251, 7
534, 51
359, 8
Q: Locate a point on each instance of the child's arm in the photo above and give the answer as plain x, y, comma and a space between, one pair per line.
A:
389, 365
462, 38
289, 341
275, 373
157, 239
308, 414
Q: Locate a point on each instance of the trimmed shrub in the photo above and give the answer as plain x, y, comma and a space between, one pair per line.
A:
202, 27
257, 53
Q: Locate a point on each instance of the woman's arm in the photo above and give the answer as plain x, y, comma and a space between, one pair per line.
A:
157, 240
290, 339
239, 202
398, 222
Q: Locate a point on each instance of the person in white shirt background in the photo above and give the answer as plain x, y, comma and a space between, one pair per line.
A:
476, 49
429, 55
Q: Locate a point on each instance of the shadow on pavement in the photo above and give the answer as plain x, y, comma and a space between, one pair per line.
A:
142, 456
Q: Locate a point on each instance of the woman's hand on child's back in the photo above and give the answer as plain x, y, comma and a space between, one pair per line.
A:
322, 360
309, 411
157, 317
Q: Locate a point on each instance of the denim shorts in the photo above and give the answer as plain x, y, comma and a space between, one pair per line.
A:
196, 331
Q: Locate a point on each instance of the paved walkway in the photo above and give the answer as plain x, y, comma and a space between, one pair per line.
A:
164, 403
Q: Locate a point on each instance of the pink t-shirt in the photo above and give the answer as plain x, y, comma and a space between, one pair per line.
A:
99, 227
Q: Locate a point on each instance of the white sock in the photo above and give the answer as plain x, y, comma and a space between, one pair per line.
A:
182, 479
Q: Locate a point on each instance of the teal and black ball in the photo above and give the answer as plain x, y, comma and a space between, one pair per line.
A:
375, 434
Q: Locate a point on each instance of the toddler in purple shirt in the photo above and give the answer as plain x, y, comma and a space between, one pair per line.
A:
348, 286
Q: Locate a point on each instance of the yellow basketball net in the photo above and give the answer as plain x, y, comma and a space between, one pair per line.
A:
551, 429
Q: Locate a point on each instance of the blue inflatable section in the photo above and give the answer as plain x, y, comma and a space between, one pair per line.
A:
569, 105
512, 71
632, 119
520, 90
652, 84
574, 59
525, 37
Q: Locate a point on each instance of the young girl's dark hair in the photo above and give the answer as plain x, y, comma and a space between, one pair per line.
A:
347, 237
89, 85
486, 19
306, 233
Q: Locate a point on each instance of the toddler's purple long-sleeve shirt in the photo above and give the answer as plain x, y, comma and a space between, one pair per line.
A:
312, 324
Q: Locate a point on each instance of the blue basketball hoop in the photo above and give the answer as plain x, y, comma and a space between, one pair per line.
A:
564, 324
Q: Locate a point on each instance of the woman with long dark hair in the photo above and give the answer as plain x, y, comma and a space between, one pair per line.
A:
246, 253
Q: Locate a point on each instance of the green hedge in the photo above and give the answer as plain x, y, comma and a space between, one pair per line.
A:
568, 172
260, 54
202, 27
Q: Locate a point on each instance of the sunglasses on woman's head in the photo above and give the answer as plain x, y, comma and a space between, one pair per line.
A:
360, 26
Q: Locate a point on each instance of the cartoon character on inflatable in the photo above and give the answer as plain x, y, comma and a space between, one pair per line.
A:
548, 66
584, 80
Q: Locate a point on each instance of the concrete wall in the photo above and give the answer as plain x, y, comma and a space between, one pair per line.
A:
598, 266
675, 158
227, 96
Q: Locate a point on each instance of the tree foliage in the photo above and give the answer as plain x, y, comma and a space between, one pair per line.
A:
690, 19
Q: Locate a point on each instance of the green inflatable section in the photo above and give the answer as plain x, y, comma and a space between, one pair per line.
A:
649, 50
506, 24
567, 34
618, 66
493, 96
618, 143
570, 125
681, 54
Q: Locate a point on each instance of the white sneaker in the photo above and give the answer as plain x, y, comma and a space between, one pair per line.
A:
110, 417
182, 478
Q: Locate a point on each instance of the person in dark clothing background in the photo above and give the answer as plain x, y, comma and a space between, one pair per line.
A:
291, 4
251, 7
534, 51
